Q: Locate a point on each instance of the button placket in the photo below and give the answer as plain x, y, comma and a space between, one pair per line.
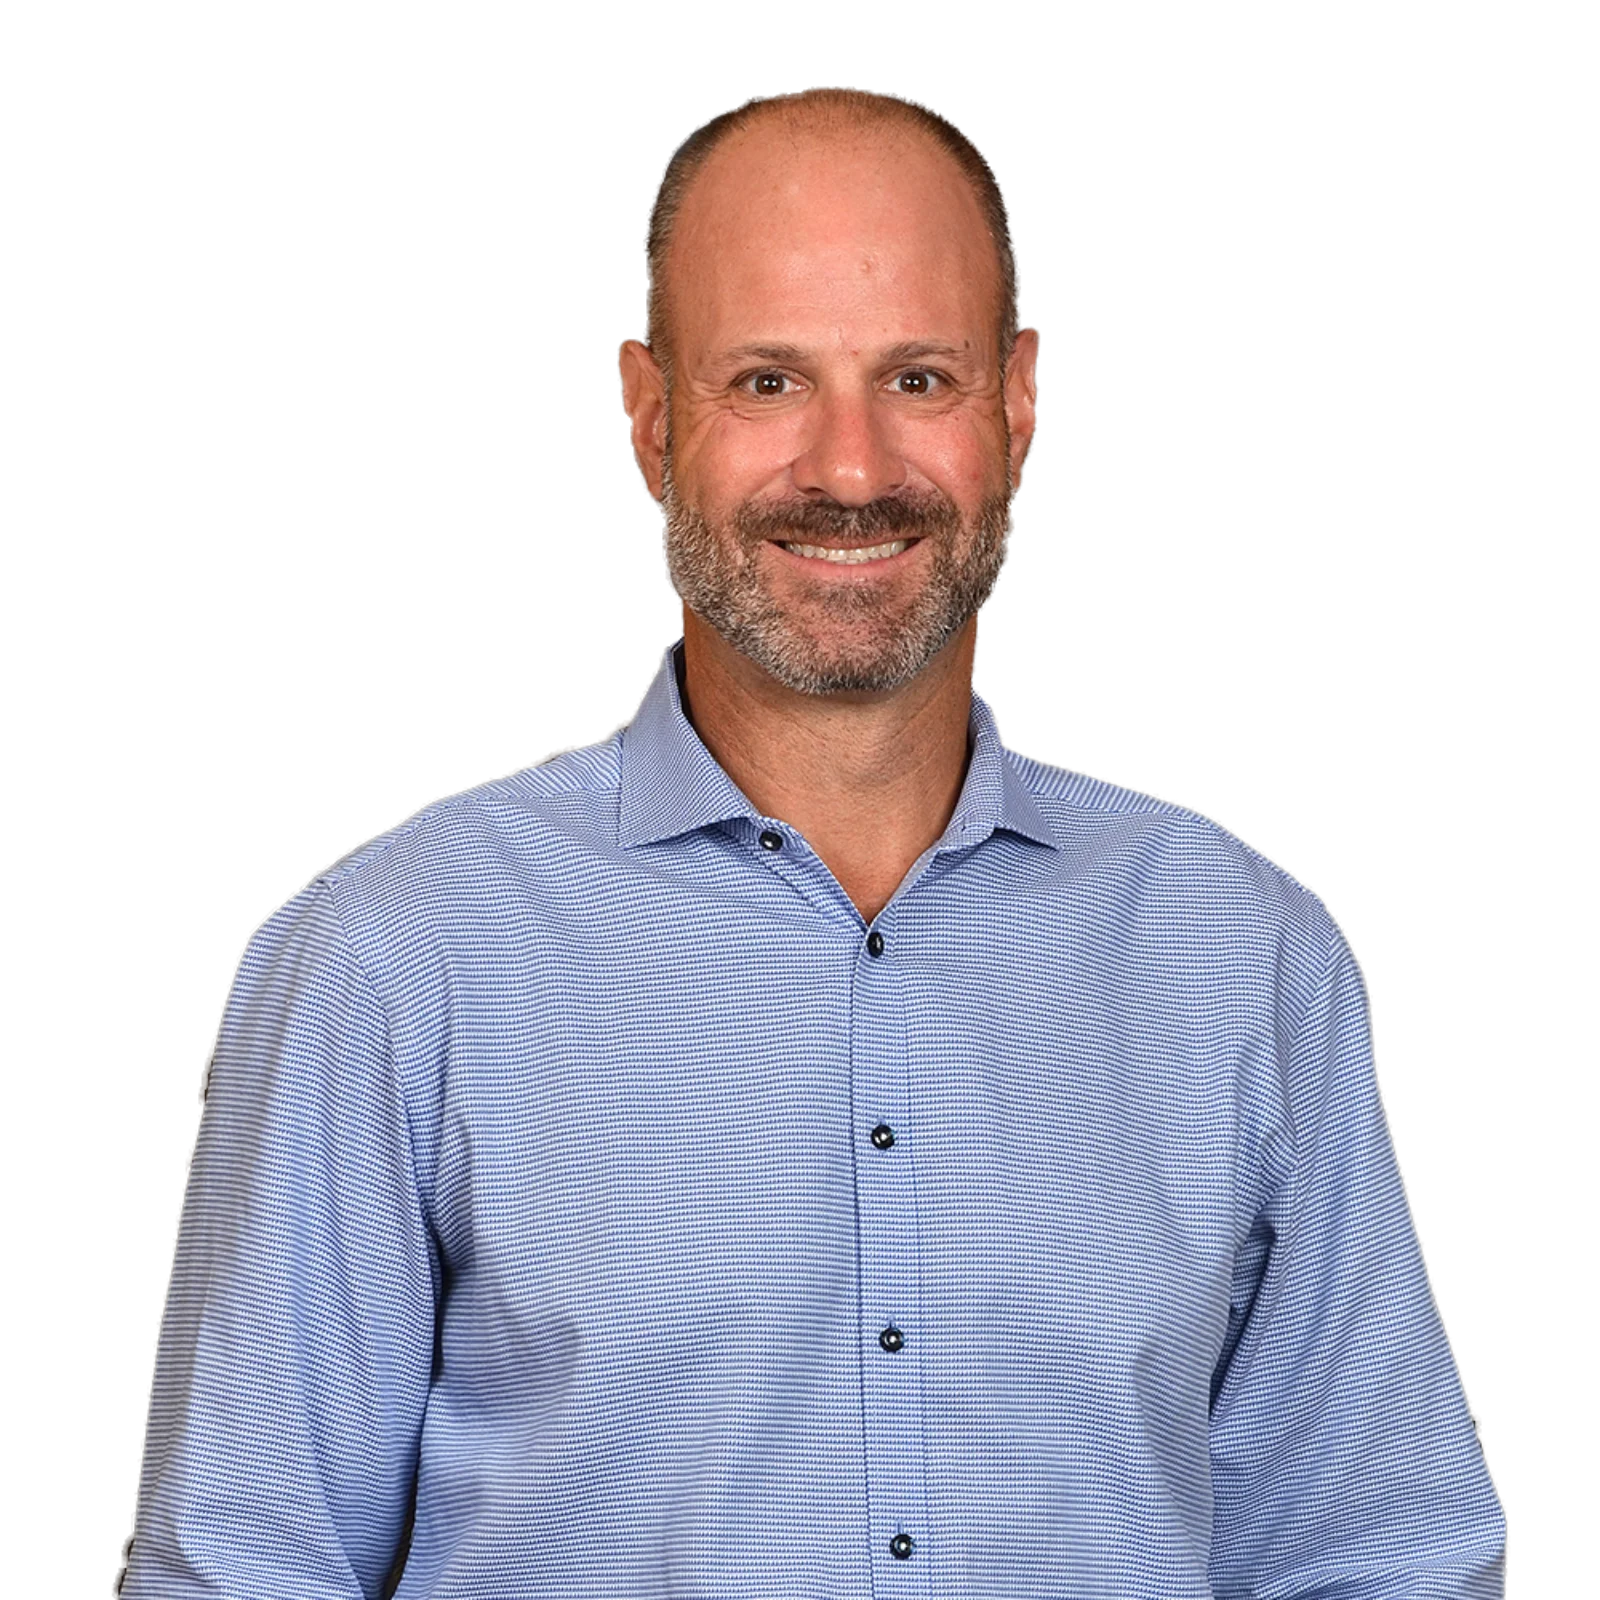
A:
890, 1253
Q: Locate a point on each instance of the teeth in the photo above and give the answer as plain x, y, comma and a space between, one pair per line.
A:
850, 558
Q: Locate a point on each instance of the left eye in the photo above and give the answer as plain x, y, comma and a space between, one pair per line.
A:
914, 382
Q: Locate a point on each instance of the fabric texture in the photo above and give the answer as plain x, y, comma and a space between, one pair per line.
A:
588, 1203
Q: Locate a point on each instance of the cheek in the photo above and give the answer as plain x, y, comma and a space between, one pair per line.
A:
962, 454
725, 460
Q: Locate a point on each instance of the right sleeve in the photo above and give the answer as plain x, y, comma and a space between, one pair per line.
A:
297, 1345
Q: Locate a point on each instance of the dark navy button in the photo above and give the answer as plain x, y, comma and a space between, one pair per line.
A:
882, 1136
771, 840
901, 1546
874, 944
892, 1339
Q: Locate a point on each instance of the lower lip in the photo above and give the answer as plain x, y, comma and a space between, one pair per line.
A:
818, 564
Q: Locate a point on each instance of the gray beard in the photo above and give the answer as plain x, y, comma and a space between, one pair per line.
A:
872, 643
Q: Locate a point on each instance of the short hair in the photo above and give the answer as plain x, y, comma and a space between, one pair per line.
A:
826, 109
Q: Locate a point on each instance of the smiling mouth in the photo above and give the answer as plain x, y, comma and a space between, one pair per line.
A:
848, 557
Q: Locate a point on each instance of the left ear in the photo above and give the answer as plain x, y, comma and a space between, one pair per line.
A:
1020, 392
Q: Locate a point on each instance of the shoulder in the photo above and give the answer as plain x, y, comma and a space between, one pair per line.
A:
461, 851
1187, 872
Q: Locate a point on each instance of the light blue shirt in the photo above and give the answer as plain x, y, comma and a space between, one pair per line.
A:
582, 1179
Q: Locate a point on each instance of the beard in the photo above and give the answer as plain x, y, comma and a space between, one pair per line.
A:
844, 637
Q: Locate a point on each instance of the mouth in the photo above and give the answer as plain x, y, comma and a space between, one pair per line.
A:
848, 556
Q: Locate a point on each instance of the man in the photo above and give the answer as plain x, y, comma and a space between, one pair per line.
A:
796, 1147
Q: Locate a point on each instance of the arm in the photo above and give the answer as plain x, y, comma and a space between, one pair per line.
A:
1344, 1464
297, 1345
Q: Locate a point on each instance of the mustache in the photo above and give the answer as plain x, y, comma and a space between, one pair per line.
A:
916, 515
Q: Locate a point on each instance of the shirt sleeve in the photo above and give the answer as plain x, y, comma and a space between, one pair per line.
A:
1344, 1463
297, 1344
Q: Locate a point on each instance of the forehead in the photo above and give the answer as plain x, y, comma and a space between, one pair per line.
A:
799, 235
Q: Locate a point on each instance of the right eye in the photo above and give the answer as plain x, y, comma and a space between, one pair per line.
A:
767, 385
768, 394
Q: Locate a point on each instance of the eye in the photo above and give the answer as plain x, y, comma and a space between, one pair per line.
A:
768, 394
917, 381
776, 394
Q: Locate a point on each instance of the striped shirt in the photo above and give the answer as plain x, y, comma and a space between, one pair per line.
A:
589, 1203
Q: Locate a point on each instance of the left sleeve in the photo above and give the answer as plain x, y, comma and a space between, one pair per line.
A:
1344, 1463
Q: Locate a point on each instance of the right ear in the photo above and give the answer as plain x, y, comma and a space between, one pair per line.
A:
644, 398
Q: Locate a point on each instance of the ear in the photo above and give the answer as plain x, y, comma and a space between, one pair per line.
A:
1020, 394
644, 398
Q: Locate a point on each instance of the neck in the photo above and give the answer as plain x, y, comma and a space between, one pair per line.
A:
870, 779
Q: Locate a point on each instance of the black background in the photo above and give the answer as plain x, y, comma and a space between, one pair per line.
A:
388, 320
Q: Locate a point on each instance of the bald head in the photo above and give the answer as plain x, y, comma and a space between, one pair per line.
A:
829, 181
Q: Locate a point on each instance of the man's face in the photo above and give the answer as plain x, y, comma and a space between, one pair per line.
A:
837, 457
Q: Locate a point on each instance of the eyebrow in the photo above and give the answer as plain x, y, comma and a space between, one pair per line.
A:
912, 350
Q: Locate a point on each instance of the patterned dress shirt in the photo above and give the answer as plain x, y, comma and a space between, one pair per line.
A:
590, 1203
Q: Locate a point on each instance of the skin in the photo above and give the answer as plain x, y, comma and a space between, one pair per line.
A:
833, 331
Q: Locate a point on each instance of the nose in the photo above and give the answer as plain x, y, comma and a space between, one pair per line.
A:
849, 453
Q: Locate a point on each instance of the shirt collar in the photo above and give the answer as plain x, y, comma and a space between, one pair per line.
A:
671, 784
